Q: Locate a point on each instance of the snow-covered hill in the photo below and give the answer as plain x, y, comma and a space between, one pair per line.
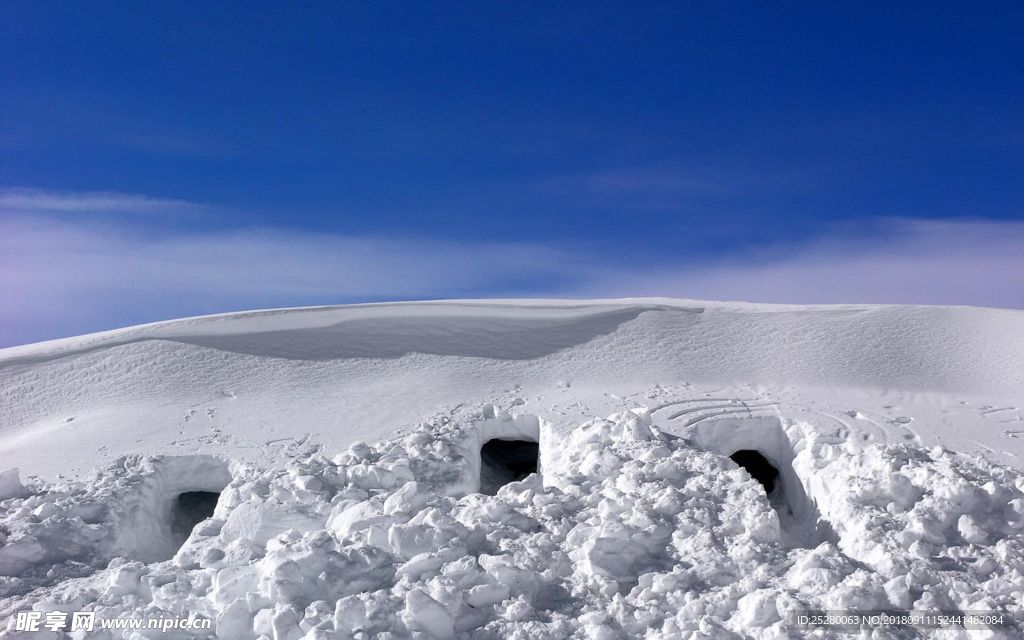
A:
517, 469
247, 384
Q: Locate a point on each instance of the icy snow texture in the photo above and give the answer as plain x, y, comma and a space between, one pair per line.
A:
629, 532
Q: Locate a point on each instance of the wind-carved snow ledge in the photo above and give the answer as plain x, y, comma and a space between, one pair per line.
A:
624, 531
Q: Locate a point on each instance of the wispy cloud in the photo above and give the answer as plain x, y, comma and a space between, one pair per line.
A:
69, 275
892, 261
657, 188
20, 200
65, 275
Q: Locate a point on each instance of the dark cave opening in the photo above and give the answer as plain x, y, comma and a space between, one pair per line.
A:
758, 467
189, 509
505, 461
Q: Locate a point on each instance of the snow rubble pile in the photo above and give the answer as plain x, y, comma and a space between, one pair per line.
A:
625, 532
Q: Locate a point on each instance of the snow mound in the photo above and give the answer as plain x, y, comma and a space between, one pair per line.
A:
236, 385
624, 531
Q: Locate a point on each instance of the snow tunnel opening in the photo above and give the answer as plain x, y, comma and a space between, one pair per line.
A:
762, 446
505, 460
759, 468
189, 509
156, 518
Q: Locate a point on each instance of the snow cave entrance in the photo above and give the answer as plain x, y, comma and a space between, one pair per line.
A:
503, 461
176, 494
189, 509
761, 446
505, 448
759, 468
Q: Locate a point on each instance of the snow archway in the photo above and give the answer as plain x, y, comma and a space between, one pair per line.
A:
158, 516
505, 449
762, 447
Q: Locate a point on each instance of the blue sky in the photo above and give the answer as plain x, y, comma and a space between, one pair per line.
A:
166, 159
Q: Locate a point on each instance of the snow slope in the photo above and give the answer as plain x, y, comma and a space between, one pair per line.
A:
340, 451
246, 384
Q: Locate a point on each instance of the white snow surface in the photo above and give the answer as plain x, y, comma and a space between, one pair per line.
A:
345, 443
248, 384
626, 532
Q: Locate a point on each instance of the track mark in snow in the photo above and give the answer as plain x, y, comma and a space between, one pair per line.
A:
991, 411
731, 405
675, 403
747, 409
983, 447
871, 425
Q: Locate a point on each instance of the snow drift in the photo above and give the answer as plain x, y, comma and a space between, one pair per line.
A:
442, 470
630, 532
240, 384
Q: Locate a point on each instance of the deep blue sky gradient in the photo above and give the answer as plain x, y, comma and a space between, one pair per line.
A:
683, 128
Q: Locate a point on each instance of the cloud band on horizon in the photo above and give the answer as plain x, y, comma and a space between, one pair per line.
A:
69, 274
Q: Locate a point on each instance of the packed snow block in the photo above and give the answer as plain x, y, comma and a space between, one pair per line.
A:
10, 485
258, 522
424, 613
351, 516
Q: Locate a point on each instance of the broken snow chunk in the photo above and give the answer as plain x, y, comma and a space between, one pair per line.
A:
10, 485
234, 622
484, 595
285, 622
518, 609
631, 533
1015, 513
308, 483
360, 449
46, 510
423, 613
409, 540
757, 609
969, 529
125, 579
503, 569
261, 522
408, 499
350, 614
372, 477
350, 516
231, 583
420, 564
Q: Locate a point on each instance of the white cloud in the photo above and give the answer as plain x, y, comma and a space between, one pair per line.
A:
895, 261
64, 275
28, 201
